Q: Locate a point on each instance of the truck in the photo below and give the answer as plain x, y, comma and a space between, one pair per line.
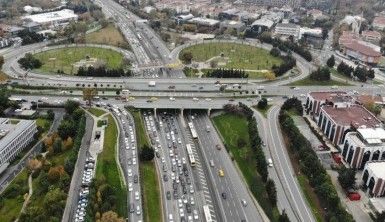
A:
151, 83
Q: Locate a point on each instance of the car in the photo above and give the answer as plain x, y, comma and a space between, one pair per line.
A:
208, 99
221, 173
191, 189
170, 217
195, 99
270, 162
136, 178
224, 196
165, 178
196, 216
218, 147
129, 172
168, 195
136, 195
129, 161
129, 187
181, 212
188, 208
212, 163
138, 210
172, 99
132, 208
244, 203
192, 202
180, 203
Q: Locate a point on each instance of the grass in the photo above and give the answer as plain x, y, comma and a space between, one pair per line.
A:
96, 112
310, 196
240, 56
151, 192
107, 36
63, 59
148, 175
43, 123
10, 208
309, 82
107, 166
232, 128
263, 111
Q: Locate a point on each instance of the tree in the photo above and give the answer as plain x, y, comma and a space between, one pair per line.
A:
262, 104
241, 142
117, 92
54, 202
29, 62
275, 52
111, 216
269, 76
271, 191
89, 94
187, 57
57, 146
146, 153
283, 217
380, 217
321, 74
68, 143
34, 164
4, 102
67, 128
347, 178
70, 106
32, 214
1, 61
331, 61
50, 115
53, 175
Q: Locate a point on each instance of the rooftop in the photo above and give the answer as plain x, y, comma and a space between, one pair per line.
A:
204, 21
363, 49
52, 16
287, 25
10, 131
326, 95
374, 34
372, 135
355, 115
379, 20
263, 22
377, 168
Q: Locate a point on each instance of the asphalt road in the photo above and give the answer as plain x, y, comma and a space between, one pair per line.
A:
76, 182
232, 184
12, 171
284, 168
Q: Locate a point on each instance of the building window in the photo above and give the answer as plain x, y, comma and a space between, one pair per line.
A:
346, 146
350, 155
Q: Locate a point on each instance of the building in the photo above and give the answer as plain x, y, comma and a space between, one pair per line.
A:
379, 23
287, 29
206, 22
362, 52
371, 36
183, 18
261, 25
14, 137
336, 119
237, 26
315, 13
373, 178
312, 36
315, 100
229, 14
364, 145
55, 19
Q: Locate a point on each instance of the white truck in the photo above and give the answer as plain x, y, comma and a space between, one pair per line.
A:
151, 83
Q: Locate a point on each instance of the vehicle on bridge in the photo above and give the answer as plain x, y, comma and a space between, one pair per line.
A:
192, 130
190, 154
206, 212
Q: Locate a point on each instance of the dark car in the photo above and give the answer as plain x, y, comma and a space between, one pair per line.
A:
132, 208
136, 178
175, 194
165, 177
188, 208
168, 195
224, 196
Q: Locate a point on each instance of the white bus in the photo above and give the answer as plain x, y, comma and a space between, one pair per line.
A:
192, 129
207, 214
190, 154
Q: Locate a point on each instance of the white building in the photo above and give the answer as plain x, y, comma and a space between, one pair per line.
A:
287, 29
363, 145
57, 18
373, 178
14, 137
200, 21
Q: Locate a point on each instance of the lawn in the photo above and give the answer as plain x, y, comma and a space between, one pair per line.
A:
10, 208
310, 196
239, 56
108, 168
43, 123
63, 59
107, 36
96, 112
151, 192
309, 82
141, 135
232, 128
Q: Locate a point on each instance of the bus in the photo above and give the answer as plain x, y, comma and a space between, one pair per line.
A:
190, 154
192, 129
207, 214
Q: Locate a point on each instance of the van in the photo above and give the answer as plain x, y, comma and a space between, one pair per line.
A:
212, 163
270, 162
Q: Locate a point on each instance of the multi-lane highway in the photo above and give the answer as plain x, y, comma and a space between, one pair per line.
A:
232, 193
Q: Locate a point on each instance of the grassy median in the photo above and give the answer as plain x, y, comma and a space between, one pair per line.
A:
108, 167
148, 176
234, 128
96, 112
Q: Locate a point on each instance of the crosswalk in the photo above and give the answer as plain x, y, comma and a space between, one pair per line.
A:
202, 177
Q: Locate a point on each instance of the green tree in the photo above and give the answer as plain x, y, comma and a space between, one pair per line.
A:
380, 217
347, 178
67, 128
33, 214
331, 61
4, 102
262, 104
89, 94
187, 57
283, 217
70, 106
57, 146
54, 202
50, 115
146, 153
1, 61
271, 191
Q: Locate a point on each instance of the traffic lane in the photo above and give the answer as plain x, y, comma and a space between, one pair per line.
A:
286, 168
283, 202
233, 202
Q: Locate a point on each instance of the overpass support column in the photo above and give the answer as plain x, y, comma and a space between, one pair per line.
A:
181, 112
155, 113
208, 112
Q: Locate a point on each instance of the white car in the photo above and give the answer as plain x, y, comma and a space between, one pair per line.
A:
208, 99
134, 161
180, 204
136, 195
179, 141
130, 187
181, 212
195, 213
195, 99
172, 98
129, 172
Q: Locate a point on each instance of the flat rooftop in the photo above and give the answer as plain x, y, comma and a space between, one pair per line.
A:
52, 16
377, 168
10, 130
355, 115
326, 95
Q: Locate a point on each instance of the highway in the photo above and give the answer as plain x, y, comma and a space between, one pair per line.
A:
129, 161
232, 183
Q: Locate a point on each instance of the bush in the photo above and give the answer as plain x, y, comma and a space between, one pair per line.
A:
29, 62
321, 74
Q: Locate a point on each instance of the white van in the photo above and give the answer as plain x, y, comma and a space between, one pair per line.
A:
270, 162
